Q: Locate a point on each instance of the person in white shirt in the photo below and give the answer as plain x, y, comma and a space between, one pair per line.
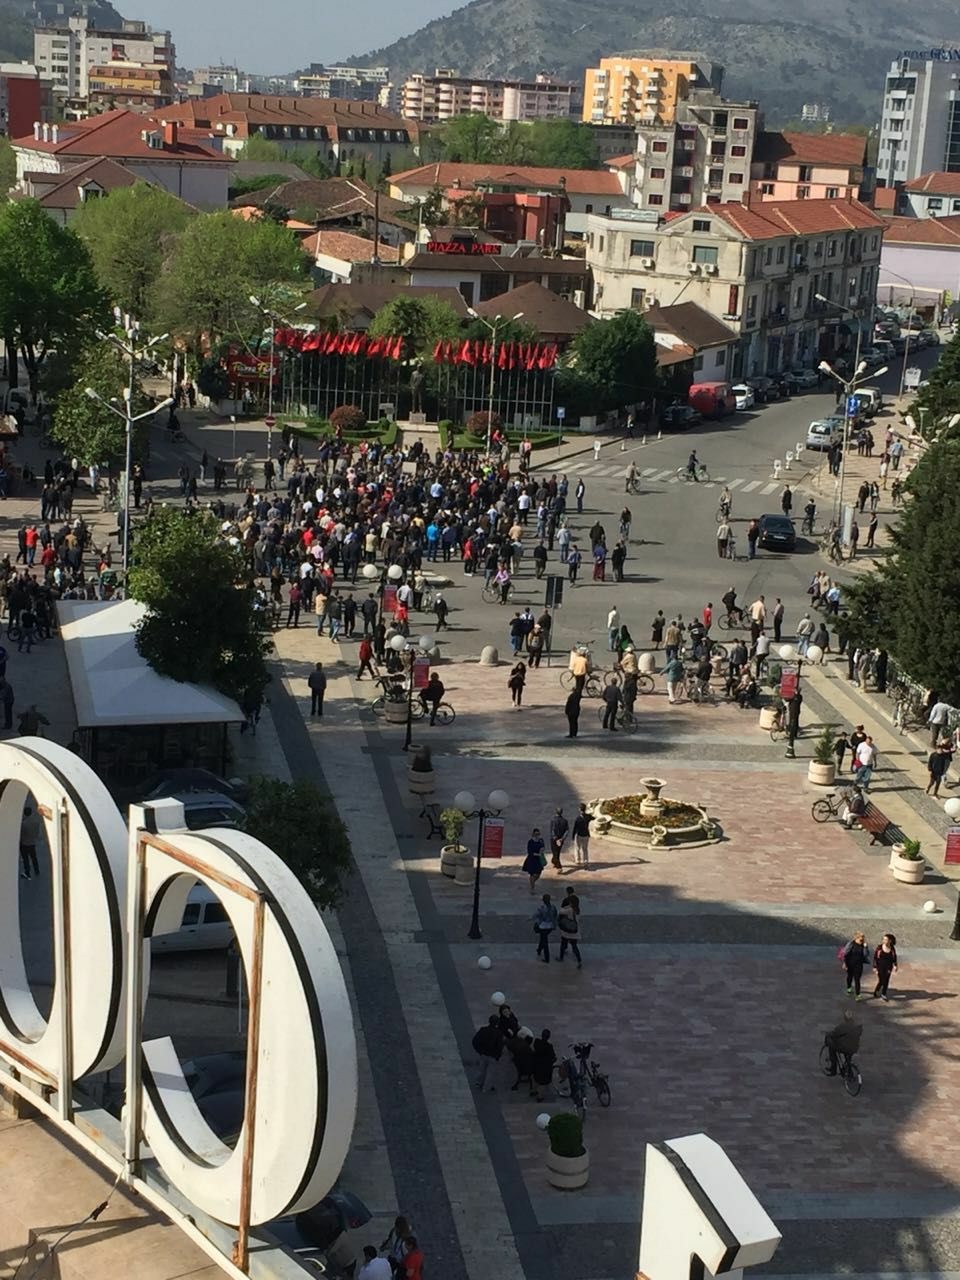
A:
613, 629
760, 652
866, 762
374, 1268
804, 632
937, 720
596, 450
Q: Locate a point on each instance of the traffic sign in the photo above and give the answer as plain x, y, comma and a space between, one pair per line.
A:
561, 412
270, 422
853, 406
554, 598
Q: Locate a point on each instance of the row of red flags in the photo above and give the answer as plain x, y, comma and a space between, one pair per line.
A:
468, 351
509, 355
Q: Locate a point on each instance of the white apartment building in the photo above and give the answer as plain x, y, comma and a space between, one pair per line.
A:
65, 54
445, 95
757, 268
920, 124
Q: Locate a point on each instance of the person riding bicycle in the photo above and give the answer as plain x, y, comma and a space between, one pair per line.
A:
631, 481
726, 503
729, 602
703, 672
626, 519
579, 666
693, 465
843, 1038
628, 662
809, 515
501, 581
699, 638
431, 695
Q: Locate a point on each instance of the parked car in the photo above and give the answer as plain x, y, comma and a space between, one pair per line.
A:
712, 399
885, 348
803, 379
899, 344
679, 415
872, 358
928, 338
764, 389
743, 393
777, 533
870, 400
824, 432
887, 329
205, 926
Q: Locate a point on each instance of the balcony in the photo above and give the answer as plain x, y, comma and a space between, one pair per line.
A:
683, 170
683, 197
777, 315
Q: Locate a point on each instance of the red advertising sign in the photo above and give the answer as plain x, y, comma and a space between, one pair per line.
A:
953, 845
467, 248
492, 846
389, 598
788, 684
421, 672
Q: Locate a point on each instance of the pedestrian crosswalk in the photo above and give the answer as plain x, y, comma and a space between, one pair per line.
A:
656, 475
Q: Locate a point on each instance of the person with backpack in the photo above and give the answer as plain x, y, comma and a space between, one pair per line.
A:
854, 957
488, 1045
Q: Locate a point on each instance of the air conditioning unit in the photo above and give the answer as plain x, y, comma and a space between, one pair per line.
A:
648, 263
580, 298
710, 269
693, 268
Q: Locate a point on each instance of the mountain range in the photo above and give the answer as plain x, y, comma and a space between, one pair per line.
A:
830, 51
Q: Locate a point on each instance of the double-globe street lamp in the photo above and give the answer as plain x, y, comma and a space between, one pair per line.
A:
790, 653
493, 325
393, 574
849, 385
497, 801
411, 649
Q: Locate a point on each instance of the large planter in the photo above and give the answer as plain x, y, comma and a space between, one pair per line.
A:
463, 870
821, 775
395, 712
768, 718
421, 782
568, 1173
449, 856
647, 664
907, 870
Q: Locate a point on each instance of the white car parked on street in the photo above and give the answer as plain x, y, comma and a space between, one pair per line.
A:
744, 395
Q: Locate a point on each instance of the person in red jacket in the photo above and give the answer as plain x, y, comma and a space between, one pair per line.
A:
365, 654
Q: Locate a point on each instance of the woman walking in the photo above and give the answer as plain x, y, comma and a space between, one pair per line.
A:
535, 860
885, 963
518, 678
855, 956
544, 923
569, 922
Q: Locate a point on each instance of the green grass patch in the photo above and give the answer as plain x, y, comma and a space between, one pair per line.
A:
452, 437
319, 429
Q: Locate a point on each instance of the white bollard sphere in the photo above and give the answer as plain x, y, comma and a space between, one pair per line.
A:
524, 1032
484, 962
930, 906
498, 998
543, 1119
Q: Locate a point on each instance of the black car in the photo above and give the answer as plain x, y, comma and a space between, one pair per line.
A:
777, 533
679, 415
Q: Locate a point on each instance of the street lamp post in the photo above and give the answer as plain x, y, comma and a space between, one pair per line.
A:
493, 325
790, 653
412, 649
272, 317
392, 574
497, 801
951, 808
849, 387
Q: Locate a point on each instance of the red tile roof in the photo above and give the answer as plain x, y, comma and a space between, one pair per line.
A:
835, 150
118, 134
885, 199
349, 248
935, 184
266, 109
933, 231
62, 190
775, 218
545, 310
621, 162
577, 181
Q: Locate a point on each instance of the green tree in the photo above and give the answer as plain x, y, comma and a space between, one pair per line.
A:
246, 186
217, 263
49, 294
200, 624
130, 234
562, 144
296, 820
422, 322
614, 361
911, 604
8, 168
941, 399
82, 426
473, 139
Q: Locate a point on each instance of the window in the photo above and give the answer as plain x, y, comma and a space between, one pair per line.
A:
698, 364
735, 178
590, 239
738, 151
766, 188
721, 357
600, 245
701, 224
956, 209
833, 193
636, 298
798, 299
803, 193
215, 913
751, 307
658, 146
781, 254
658, 173
718, 150
806, 172
831, 248
641, 248
191, 915
588, 208
705, 253
741, 122
768, 257
934, 204
733, 300
655, 199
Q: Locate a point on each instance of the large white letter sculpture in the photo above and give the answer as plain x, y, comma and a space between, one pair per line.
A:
114, 889
698, 1213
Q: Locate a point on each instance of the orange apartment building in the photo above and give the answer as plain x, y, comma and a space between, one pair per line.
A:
644, 88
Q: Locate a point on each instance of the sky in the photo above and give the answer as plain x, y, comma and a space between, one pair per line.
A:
284, 35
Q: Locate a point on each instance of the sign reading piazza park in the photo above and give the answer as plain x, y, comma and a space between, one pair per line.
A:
113, 888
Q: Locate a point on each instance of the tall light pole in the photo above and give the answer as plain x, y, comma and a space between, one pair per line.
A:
411, 649
849, 387
493, 325
497, 801
820, 297
272, 317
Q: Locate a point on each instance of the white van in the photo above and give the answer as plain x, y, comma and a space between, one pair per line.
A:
825, 432
871, 400
205, 925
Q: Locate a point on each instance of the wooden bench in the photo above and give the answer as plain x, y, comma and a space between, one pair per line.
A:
879, 825
432, 814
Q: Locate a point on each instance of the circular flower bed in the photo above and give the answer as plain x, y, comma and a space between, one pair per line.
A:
626, 809
676, 824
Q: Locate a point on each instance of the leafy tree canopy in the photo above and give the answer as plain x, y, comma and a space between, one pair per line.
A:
611, 363
911, 604
200, 624
941, 399
83, 426
477, 139
218, 262
8, 168
421, 321
296, 820
49, 293
130, 234
266, 150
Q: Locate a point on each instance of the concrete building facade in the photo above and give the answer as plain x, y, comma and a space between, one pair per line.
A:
635, 88
64, 54
446, 95
920, 124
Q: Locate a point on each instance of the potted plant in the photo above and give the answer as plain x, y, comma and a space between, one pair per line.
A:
771, 713
568, 1161
420, 775
453, 854
906, 862
822, 769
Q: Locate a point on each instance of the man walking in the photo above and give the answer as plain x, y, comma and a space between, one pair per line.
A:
613, 629
545, 921
559, 827
317, 684
937, 720
937, 766
571, 710
611, 701
581, 837
488, 1045
777, 620
866, 762
365, 656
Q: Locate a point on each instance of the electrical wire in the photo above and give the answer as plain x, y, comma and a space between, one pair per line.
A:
92, 1216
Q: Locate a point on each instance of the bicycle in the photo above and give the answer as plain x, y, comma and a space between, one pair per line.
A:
827, 807
847, 1070
592, 685
698, 691
689, 650
445, 713
700, 476
584, 1074
492, 594
624, 719
734, 620
570, 1085
723, 513
909, 715
631, 486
